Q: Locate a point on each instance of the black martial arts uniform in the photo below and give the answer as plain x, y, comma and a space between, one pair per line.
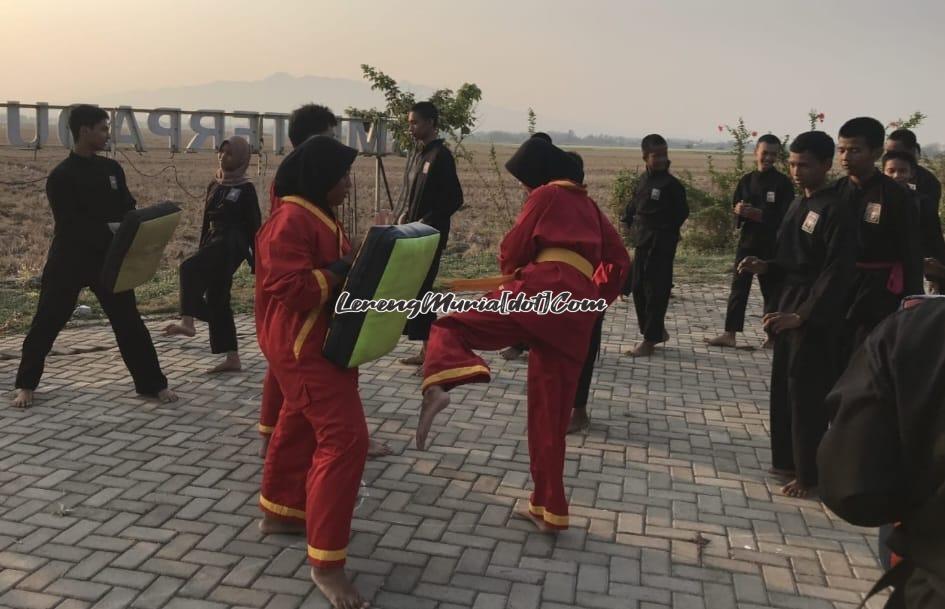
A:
230, 221
883, 460
584, 383
772, 192
927, 185
86, 194
930, 227
889, 258
433, 195
654, 215
930, 230
815, 259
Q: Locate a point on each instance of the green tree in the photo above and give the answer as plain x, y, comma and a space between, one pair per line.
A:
914, 120
532, 121
457, 108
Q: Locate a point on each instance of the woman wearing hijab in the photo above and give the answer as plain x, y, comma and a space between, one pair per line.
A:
561, 242
316, 456
231, 218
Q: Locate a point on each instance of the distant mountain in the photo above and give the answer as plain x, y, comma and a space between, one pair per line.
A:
282, 92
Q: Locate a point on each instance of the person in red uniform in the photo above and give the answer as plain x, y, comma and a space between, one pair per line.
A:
319, 446
561, 242
305, 121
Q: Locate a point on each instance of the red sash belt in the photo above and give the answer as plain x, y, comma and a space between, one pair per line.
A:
896, 282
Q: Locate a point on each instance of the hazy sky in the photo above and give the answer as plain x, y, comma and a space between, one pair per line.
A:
625, 67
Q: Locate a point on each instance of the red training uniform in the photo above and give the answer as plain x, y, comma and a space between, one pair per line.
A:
319, 445
271, 393
561, 242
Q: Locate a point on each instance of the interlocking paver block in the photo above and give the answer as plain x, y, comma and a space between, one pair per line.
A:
109, 500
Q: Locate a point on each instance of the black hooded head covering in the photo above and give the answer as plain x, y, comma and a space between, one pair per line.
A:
578, 167
538, 162
313, 169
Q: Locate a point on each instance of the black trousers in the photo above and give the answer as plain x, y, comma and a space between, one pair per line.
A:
418, 328
584, 383
205, 282
652, 284
802, 374
59, 293
741, 287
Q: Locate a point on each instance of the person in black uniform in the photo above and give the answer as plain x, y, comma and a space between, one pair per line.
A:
889, 260
903, 168
231, 218
760, 200
927, 185
883, 459
432, 195
87, 192
816, 253
655, 215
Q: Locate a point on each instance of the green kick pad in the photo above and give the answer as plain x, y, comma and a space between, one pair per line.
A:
392, 263
135, 252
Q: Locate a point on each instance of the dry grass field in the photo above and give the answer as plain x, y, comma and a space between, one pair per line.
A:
492, 200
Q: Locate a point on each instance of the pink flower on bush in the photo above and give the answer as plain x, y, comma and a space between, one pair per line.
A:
820, 117
721, 128
754, 134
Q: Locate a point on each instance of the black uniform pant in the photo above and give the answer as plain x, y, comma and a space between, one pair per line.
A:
871, 303
59, 293
584, 383
802, 374
418, 328
652, 284
205, 282
741, 287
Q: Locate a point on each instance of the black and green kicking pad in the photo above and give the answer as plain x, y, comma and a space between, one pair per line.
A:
136, 249
392, 263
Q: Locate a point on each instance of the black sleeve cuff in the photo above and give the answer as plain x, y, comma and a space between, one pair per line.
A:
339, 267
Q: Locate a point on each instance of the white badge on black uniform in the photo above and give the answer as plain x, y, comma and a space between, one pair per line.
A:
769, 196
233, 195
810, 222
874, 212
113, 180
655, 194
426, 167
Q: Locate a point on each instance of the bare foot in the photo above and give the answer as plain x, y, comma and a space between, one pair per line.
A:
166, 396
230, 364
23, 398
644, 349
511, 353
435, 399
723, 340
336, 587
276, 526
781, 473
180, 329
796, 489
413, 360
579, 421
264, 445
376, 449
543, 526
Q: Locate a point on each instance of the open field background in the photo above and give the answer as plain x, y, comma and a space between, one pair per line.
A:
492, 200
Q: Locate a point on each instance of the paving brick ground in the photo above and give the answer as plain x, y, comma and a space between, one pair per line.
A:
108, 500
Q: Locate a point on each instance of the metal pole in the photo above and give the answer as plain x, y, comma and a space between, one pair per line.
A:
377, 184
